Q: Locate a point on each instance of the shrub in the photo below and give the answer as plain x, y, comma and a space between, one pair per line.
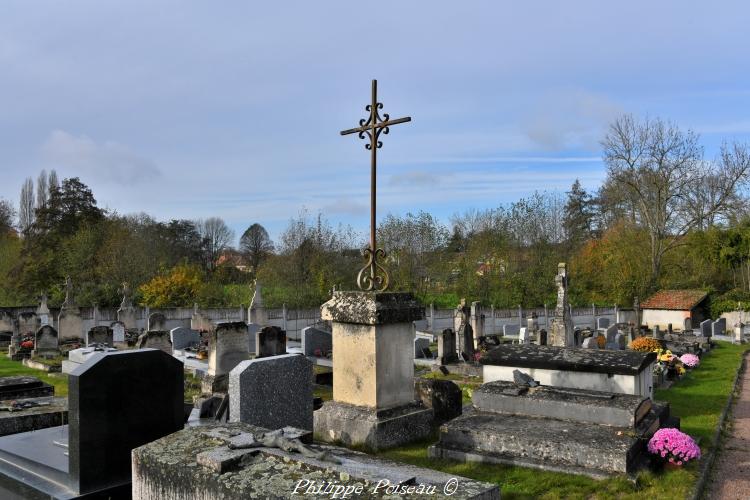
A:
645, 344
673, 445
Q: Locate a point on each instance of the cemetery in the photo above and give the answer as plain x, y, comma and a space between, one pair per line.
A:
550, 301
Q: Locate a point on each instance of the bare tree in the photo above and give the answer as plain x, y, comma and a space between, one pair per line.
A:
26, 205
256, 245
658, 168
216, 236
42, 190
52, 181
7, 216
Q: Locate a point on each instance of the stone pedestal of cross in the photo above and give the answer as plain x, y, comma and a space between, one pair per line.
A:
373, 276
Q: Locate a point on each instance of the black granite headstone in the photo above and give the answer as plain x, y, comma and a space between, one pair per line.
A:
118, 401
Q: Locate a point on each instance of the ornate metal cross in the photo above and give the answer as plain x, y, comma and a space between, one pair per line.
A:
377, 278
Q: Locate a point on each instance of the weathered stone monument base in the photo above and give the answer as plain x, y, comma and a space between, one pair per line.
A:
375, 429
197, 462
212, 384
566, 430
373, 372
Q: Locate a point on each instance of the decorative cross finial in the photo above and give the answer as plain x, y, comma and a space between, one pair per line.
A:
377, 278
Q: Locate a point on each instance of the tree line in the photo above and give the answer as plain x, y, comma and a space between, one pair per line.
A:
665, 217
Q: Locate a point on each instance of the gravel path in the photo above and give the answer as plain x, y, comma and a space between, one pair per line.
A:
731, 475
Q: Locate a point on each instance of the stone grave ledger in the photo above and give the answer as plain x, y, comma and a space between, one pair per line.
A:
373, 371
272, 392
198, 463
117, 401
576, 431
227, 348
23, 387
626, 372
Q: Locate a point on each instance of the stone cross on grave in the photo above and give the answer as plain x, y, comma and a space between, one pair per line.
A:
377, 277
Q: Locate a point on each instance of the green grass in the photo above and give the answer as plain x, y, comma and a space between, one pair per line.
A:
698, 399
9, 368
192, 387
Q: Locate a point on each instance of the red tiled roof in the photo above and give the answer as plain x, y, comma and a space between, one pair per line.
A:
680, 300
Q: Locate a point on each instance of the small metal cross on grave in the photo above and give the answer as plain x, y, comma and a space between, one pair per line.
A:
377, 277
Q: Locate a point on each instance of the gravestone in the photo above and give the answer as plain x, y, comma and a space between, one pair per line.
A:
466, 335
590, 343
523, 336
611, 333
626, 372
227, 347
562, 333
43, 312
7, 323
272, 392
373, 371
257, 311
719, 327
118, 331
621, 341
602, 323
157, 322
155, 340
531, 327
252, 330
200, 322
117, 402
564, 430
658, 334
46, 342
270, 341
443, 396
477, 320
316, 340
421, 343
511, 330
705, 328
182, 338
687, 325
447, 347
100, 335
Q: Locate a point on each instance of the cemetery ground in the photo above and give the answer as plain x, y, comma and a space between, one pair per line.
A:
698, 399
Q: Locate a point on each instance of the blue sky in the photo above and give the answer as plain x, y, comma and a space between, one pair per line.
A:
232, 109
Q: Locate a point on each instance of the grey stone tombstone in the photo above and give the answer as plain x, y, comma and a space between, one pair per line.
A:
272, 392
182, 338
316, 340
706, 328
523, 336
252, 329
621, 341
658, 334
443, 396
719, 327
419, 344
157, 322
687, 325
155, 340
226, 349
270, 341
669, 328
100, 335
602, 323
447, 347
28, 323
46, 342
118, 331
142, 402
590, 343
466, 336
611, 333
511, 330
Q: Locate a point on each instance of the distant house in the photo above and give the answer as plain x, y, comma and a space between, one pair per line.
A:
675, 307
234, 259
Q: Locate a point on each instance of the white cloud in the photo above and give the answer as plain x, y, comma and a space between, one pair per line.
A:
108, 161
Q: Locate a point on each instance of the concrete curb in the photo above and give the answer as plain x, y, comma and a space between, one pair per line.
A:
700, 485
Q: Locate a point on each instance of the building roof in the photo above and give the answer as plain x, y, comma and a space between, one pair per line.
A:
678, 300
